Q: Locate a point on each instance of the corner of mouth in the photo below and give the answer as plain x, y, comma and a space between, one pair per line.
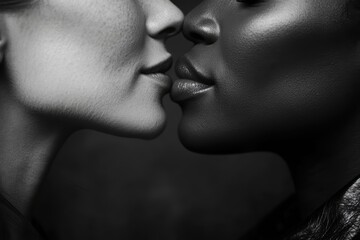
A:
161, 67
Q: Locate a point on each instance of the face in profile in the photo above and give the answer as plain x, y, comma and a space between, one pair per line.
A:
264, 72
97, 64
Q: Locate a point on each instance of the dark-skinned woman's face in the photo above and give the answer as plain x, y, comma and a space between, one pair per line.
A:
263, 72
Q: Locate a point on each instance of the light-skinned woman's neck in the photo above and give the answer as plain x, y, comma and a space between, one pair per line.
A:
323, 164
28, 143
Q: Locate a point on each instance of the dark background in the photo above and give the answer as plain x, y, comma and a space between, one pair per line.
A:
105, 187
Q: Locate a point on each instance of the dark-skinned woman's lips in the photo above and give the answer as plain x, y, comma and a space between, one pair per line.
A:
191, 83
184, 89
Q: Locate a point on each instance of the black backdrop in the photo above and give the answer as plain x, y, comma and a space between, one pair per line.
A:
105, 187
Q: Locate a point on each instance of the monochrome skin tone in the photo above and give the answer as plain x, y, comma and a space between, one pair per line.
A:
280, 76
69, 65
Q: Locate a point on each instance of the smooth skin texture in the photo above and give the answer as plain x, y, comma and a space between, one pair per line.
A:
69, 65
282, 76
83, 60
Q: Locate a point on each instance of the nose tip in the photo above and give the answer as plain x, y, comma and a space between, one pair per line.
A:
167, 23
176, 23
201, 29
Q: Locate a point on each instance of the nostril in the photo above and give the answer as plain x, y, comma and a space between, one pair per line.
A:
196, 37
169, 31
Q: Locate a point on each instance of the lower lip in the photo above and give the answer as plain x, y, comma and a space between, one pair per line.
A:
185, 89
161, 79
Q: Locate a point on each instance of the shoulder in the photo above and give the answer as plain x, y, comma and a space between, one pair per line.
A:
339, 218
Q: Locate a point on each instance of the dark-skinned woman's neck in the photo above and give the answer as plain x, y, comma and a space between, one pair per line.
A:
322, 164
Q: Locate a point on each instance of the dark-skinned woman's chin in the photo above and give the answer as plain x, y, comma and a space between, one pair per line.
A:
197, 135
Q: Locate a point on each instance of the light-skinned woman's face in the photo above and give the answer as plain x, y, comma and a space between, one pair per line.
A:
266, 71
99, 63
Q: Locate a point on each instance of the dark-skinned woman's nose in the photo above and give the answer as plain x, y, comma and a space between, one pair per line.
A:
201, 28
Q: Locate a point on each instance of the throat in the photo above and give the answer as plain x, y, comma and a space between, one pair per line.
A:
27, 146
319, 174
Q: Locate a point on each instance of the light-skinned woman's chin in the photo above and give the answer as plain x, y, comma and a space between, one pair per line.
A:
280, 76
69, 65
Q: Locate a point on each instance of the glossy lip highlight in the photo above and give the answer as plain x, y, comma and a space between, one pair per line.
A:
192, 81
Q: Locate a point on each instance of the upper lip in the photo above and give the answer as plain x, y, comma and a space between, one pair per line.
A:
185, 69
161, 67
